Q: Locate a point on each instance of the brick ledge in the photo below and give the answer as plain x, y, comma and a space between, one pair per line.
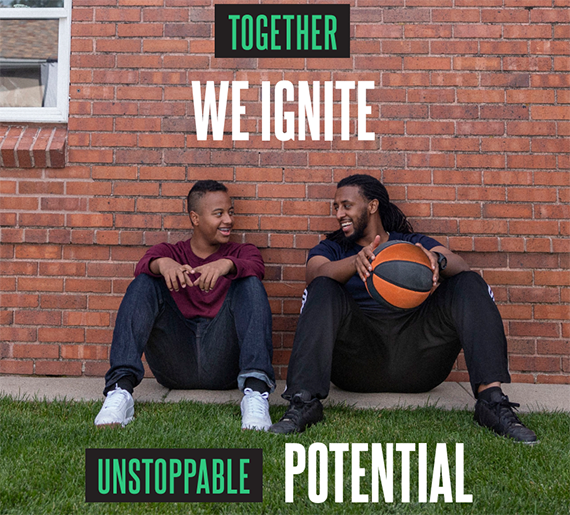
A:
33, 147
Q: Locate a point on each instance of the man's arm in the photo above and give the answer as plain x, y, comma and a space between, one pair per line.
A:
343, 269
455, 263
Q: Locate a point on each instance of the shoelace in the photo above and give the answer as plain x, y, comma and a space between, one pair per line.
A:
294, 413
114, 399
255, 407
505, 410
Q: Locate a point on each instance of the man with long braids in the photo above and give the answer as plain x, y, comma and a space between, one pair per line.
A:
345, 336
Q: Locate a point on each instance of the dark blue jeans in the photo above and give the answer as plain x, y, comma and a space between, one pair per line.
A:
199, 353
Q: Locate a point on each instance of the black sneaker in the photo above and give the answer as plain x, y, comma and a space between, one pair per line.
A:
498, 415
302, 413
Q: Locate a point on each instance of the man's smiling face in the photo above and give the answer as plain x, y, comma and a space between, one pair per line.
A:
215, 217
351, 212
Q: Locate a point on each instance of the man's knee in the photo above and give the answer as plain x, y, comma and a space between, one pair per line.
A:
469, 280
251, 287
248, 293
324, 288
252, 283
324, 284
320, 291
144, 282
469, 287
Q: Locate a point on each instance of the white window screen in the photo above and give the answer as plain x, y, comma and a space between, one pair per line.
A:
34, 60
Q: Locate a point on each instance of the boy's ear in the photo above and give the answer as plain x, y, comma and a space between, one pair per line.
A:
194, 218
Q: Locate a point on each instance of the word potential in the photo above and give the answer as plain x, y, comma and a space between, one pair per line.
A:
308, 112
381, 472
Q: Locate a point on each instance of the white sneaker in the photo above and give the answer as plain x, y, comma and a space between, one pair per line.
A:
118, 408
255, 410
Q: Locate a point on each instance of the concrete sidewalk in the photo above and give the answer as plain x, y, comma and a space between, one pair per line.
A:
448, 395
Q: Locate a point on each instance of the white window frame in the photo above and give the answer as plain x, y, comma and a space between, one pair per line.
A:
59, 113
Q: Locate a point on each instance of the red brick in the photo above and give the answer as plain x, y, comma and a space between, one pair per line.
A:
112, 204
475, 161
552, 312
96, 368
12, 366
18, 334
455, 144
508, 277
454, 47
165, 46
58, 368
531, 128
534, 364
405, 79
527, 31
98, 336
35, 351
138, 221
504, 16
37, 317
40, 284
477, 31
505, 144
426, 31
38, 252
515, 312
87, 285
48, 334
85, 318
550, 112
92, 352
427, 63
526, 63
480, 128
400, 47
507, 211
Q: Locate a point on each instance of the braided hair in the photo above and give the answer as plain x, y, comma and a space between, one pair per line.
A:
371, 188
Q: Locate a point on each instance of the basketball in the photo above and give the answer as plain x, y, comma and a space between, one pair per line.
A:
401, 276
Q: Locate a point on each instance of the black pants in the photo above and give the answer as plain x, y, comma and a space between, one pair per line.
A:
406, 351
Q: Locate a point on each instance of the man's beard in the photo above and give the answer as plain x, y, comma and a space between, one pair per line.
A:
359, 225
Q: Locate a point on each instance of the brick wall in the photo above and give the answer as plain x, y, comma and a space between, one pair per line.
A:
471, 113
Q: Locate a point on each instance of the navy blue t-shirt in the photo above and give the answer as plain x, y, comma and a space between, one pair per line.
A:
334, 252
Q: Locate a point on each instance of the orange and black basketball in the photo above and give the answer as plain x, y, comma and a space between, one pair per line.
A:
401, 275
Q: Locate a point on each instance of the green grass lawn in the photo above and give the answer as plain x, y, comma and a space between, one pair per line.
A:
42, 457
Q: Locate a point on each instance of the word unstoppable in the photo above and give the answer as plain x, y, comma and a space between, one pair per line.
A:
308, 110
380, 475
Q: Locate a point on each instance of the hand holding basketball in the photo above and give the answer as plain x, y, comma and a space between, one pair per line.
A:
401, 276
433, 260
364, 258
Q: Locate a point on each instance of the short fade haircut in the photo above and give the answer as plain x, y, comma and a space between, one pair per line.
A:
200, 189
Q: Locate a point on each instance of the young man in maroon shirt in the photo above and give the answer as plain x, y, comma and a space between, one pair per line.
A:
200, 313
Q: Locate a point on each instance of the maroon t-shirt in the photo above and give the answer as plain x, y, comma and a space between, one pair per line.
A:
192, 301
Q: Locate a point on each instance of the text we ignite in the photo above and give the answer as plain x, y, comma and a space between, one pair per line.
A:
310, 110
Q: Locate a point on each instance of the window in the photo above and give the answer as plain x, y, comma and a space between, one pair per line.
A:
35, 38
